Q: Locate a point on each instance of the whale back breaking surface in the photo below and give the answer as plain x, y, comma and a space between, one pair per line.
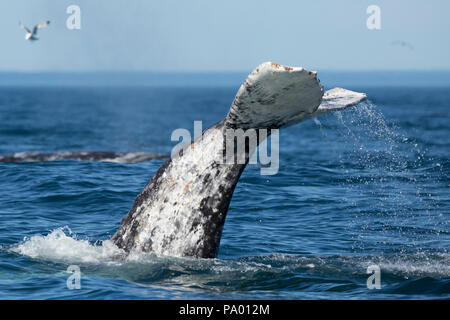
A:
182, 210
129, 157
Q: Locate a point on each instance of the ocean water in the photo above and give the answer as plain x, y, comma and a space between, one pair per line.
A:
361, 187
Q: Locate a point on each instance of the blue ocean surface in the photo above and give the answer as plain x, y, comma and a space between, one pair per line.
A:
368, 186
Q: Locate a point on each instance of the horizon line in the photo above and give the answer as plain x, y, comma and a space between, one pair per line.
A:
209, 71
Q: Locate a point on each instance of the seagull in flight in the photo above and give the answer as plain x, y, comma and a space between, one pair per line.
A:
402, 43
31, 35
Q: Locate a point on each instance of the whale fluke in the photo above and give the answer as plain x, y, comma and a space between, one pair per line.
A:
182, 210
272, 95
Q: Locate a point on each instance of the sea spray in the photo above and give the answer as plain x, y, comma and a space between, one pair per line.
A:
377, 157
62, 245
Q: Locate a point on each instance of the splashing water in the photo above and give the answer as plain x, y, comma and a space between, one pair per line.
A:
386, 162
62, 245
226, 277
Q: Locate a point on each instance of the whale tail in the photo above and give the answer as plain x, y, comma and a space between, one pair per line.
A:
182, 210
275, 96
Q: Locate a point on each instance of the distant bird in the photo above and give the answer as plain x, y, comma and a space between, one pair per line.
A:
31, 35
402, 43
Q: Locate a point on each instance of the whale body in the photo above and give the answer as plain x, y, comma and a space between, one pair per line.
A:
105, 156
182, 209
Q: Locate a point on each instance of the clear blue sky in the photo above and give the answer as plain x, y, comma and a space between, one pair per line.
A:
209, 35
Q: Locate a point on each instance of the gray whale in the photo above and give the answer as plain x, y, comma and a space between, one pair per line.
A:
106, 156
182, 209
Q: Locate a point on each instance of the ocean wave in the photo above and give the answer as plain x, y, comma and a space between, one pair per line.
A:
62, 246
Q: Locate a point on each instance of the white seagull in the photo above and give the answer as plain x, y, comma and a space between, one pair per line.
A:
31, 35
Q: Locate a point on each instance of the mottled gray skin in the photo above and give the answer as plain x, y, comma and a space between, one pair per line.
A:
214, 222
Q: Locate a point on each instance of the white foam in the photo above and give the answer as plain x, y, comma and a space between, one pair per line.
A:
419, 264
61, 245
